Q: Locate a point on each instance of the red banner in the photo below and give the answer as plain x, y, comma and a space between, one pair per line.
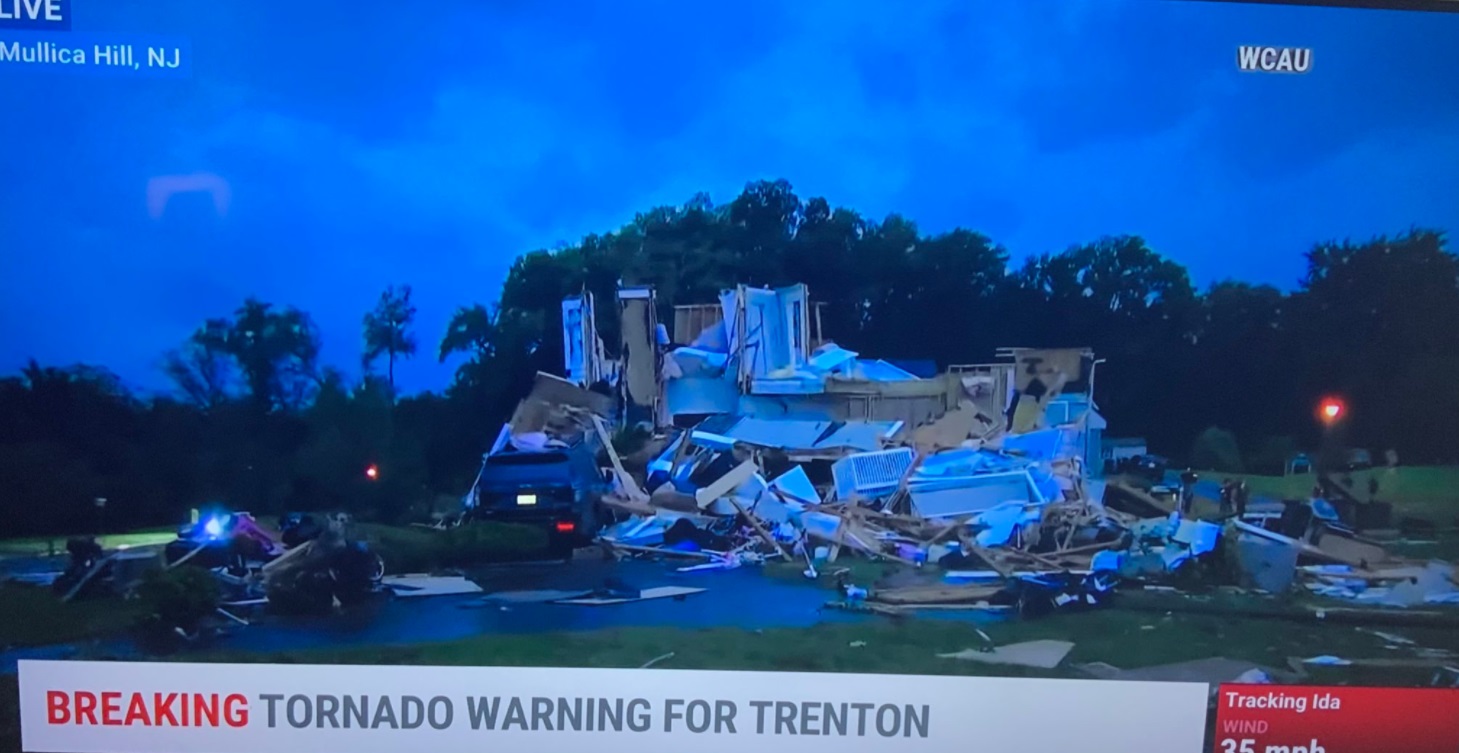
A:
1318, 719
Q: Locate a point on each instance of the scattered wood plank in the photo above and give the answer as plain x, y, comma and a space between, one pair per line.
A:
648, 594
96, 568
1042, 560
657, 659
417, 586
726, 483
624, 478
937, 594
232, 616
759, 529
993, 561
950, 528
1087, 548
293, 554
184, 558
630, 506
656, 550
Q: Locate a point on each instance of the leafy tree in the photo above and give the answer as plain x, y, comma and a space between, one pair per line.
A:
504, 349
1216, 449
1135, 308
256, 425
387, 330
1242, 371
1271, 455
202, 370
277, 351
1368, 321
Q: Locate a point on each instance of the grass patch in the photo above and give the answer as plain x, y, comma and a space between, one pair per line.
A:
1442, 546
410, 550
34, 616
859, 571
1428, 492
1125, 639
41, 546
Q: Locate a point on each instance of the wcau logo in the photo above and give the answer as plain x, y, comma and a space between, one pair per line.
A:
1274, 59
38, 15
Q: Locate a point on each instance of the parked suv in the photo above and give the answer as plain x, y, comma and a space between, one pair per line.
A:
560, 490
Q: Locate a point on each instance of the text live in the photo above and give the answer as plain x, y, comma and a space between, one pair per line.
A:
40, 15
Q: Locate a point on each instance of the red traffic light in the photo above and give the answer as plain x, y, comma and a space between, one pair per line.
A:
372, 472
1331, 409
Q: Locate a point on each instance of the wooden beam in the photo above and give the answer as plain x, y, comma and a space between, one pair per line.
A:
726, 483
626, 480
754, 523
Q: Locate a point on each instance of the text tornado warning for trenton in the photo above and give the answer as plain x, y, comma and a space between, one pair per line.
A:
100, 707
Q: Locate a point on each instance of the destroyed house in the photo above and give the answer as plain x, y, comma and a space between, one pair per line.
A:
762, 353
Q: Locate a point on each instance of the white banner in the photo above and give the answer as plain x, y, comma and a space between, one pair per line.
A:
114, 707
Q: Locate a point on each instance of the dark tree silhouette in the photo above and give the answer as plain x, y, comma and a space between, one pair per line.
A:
387, 330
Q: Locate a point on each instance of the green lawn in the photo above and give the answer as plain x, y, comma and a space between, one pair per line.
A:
1125, 639
1428, 492
38, 546
33, 616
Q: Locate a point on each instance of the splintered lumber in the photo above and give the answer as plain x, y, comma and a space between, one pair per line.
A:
655, 550
1087, 548
630, 506
231, 616
854, 527
950, 528
754, 523
661, 592
1140, 495
292, 554
629, 485
1036, 558
96, 569
1305, 547
726, 483
936, 594
180, 560
968, 544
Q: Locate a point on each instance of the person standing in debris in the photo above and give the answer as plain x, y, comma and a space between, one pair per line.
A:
1187, 491
1228, 494
1241, 496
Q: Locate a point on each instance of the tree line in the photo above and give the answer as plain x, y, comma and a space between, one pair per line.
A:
258, 422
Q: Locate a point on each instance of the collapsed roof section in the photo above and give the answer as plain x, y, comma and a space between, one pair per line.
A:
556, 414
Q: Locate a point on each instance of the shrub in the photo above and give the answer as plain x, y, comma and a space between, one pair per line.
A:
408, 550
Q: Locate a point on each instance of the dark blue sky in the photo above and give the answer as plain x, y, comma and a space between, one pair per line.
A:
430, 143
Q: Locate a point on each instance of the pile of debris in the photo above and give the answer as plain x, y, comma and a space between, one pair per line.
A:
990, 492
313, 563
771, 443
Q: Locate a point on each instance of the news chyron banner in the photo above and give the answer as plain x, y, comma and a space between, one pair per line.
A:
115, 707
